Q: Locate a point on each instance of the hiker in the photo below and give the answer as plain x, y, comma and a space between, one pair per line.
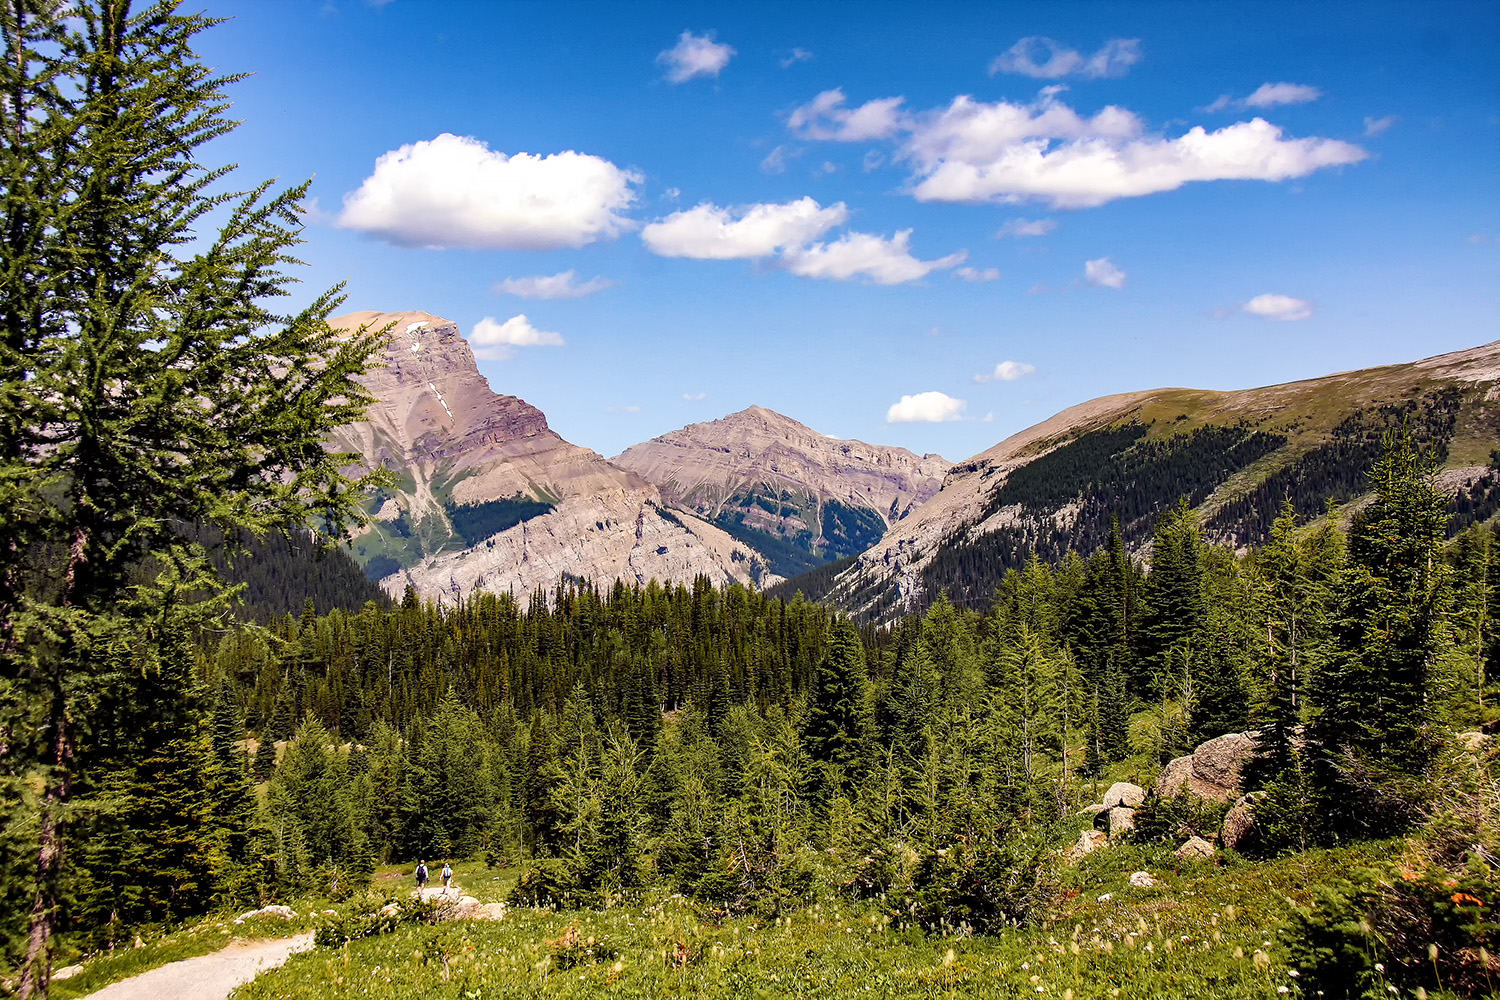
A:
421, 875
447, 875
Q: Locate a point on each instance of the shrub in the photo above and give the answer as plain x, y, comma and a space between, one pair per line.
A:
358, 923
979, 888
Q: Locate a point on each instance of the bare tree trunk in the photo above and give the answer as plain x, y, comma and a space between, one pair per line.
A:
37, 972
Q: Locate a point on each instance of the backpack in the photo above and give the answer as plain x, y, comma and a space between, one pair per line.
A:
447, 872
421, 873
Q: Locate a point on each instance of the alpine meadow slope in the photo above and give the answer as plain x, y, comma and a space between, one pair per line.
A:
1235, 455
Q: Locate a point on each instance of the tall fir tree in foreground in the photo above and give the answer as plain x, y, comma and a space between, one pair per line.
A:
149, 386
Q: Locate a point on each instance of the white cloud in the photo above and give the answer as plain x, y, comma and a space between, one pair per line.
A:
776, 160
631, 408
1026, 227
975, 133
1270, 95
873, 160
978, 274
709, 232
1375, 126
563, 285
797, 56
886, 262
825, 117
1278, 307
975, 153
1044, 59
1006, 371
695, 397
494, 341
694, 56
1103, 272
926, 408
454, 191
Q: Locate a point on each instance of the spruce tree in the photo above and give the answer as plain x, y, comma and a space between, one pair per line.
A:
836, 717
1391, 625
148, 384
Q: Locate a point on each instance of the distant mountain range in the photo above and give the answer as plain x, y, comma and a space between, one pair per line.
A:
800, 497
1234, 455
491, 498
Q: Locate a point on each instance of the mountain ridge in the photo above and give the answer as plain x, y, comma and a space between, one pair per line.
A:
800, 495
1234, 453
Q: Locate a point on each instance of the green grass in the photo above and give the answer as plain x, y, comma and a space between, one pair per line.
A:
1205, 931
202, 938
215, 931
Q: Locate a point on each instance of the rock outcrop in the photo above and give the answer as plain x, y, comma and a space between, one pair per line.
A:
1211, 772
1238, 831
760, 471
1195, 848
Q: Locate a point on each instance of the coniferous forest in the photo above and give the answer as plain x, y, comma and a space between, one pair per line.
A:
203, 711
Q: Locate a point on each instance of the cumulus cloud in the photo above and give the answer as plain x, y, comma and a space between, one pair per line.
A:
1006, 371
1375, 126
1278, 307
709, 232
825, 117
885, 262
1044, 59
797, 56
494, 341
974, 152
926, 408
564, 285
978, 274
1020, 228
454, 191
694, 56
1103, 272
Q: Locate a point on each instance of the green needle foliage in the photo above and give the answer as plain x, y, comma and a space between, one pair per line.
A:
149, 387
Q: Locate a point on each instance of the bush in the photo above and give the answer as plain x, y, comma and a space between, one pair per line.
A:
1177, 817
357, 923
979, 888
1431, 930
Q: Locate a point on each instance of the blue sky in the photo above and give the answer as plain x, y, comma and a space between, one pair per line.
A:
919, 224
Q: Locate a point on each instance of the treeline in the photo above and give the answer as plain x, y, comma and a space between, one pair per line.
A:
751, 751
1125, 474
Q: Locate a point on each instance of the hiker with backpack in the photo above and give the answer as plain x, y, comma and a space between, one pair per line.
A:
447, 875
421, 875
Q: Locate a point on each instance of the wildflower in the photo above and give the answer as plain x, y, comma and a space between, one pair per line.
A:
1379, 967
1293, 973
1282, 989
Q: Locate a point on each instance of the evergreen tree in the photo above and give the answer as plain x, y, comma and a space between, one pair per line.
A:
1373, 694
265, 759
147, 384
1174, 617
836, 717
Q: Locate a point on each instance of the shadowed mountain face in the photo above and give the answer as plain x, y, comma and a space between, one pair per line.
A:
482, 473
1234, 455
798, 496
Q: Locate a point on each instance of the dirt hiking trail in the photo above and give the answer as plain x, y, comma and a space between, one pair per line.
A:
207, 977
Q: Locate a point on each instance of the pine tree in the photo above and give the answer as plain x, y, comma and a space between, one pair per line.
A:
265, 759
1373, 695
836, 717
1175, 609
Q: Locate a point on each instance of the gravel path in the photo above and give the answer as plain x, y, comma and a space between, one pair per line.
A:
207, 977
